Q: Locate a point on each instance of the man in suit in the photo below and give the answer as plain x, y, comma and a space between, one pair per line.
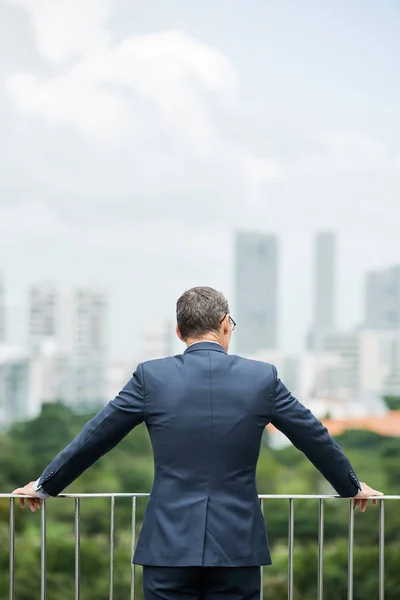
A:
203, 535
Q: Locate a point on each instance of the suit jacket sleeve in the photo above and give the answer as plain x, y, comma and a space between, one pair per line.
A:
98, 436
308, 434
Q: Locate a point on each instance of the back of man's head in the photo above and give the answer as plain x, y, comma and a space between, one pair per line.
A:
200, 311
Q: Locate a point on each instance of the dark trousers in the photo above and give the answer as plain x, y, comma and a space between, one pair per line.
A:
201, 583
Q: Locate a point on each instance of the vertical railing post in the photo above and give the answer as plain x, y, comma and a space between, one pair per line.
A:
350, 553
77, 550
112, 539
291, 549
12, 550
133, 544
262, 568
321, 550
381, 550
43, 553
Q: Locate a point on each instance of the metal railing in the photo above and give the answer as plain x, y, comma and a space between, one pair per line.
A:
112, 497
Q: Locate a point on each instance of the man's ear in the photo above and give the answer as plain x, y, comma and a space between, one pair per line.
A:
226, 325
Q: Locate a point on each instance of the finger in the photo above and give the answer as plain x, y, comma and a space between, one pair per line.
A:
356, 504
19, 492
32, 504
364, 504
374, 502
38, 502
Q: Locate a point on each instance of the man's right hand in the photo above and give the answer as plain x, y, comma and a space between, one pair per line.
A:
364, 495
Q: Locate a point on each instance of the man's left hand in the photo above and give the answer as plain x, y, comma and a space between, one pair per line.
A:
34, 502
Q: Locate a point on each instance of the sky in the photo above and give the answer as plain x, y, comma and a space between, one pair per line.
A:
136, 138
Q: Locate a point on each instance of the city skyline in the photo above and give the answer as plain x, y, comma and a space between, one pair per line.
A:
325, 253
66, 354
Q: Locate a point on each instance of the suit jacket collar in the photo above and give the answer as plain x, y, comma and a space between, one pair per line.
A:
205, 346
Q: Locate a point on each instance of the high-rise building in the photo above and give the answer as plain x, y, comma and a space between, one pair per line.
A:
323, 318
44, 314
14, 386
89, 346
382, 299
256, 292
2, 312
74, 323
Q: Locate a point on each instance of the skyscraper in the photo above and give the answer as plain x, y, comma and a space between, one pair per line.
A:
323, 317
256, 292
89, 346
382, 299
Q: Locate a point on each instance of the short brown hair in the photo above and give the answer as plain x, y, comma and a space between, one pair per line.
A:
200, 310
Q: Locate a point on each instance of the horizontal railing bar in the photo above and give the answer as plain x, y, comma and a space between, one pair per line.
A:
261, 496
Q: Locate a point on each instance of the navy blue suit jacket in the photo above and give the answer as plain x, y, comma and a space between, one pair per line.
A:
205, 412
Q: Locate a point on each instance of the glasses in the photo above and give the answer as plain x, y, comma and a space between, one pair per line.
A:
231, 321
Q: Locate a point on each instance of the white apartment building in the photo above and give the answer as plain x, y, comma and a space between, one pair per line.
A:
379, 371
68, 344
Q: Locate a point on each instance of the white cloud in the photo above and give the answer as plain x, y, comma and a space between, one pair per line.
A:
108, 92
71, 100
149, 95
65, 29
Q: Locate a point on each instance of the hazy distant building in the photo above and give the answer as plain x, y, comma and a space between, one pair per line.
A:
89, 346
382, 299
14, 386
380, 362
73, 323
256, 292
323, 317
44, 314
2, 312
158, 341
292, 368
346, 346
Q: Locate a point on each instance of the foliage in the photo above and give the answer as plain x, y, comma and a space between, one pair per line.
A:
28, 447
392, 402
